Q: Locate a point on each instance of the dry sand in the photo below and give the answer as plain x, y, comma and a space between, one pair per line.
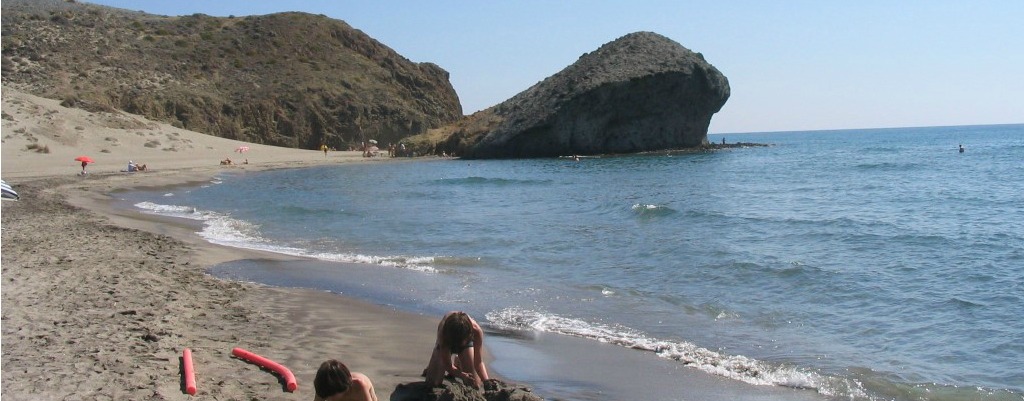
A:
42, 139
98, 303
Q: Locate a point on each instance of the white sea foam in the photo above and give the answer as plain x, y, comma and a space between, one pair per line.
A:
422, 264
224, 230
185, 212
735, 367
651, 210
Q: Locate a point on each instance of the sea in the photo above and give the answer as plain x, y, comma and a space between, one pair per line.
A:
874, 264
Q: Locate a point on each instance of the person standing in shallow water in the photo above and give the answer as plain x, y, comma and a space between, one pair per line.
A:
961, 148
458, 351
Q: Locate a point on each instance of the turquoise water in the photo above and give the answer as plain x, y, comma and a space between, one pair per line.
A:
861, 264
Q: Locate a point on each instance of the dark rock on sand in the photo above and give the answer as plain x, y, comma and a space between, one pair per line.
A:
641, 92
494, 390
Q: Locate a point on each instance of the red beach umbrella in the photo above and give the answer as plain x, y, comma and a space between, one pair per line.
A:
86, 159
242, 149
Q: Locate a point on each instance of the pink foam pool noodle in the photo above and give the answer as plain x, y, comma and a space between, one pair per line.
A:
190, 373
289, 378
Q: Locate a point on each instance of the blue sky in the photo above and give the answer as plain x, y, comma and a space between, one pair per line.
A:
792, 65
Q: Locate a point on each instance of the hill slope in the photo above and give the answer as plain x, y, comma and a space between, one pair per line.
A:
289, 79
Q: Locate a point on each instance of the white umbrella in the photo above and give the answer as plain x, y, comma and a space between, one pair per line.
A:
373, 141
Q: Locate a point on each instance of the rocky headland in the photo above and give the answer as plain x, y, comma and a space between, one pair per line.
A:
641, 92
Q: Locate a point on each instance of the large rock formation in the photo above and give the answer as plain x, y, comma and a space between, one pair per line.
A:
289, 79
641, 92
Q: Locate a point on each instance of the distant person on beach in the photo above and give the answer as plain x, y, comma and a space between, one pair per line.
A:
457, 351
334, 382
134, 167
723, 140
84, 163
323, 147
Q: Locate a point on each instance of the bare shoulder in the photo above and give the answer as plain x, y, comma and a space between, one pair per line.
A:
361, 379
362, 389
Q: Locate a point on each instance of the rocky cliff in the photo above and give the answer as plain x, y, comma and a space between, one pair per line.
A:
290, 79
641, 92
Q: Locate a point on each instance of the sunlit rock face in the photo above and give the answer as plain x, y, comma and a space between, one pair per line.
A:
641, 92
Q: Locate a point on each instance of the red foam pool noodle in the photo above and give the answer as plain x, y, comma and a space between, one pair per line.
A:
289, 378
190, 373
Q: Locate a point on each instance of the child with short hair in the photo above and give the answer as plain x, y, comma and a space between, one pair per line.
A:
457, 335
334, 382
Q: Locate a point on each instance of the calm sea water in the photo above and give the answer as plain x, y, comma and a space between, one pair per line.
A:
862, 264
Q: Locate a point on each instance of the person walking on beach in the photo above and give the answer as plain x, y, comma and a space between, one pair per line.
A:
457, 351
84, 163
334, 382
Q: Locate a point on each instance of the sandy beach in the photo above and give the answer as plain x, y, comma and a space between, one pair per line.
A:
99, 303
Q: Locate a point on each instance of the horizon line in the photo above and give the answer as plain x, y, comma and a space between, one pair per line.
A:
864, 128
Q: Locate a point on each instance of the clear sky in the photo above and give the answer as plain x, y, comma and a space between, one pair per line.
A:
792, 64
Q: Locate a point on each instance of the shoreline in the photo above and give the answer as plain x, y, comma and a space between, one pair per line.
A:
527, 357
294, 326
110, 315
100, 300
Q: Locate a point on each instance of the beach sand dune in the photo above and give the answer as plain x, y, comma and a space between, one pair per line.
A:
41, 138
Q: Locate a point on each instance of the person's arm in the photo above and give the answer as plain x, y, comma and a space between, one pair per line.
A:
440, 359
478, 353
445, 350
437, 368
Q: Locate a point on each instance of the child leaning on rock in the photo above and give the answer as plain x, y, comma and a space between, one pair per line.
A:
458, 336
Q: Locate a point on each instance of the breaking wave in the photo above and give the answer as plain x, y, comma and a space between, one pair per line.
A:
736, 367
222, 229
